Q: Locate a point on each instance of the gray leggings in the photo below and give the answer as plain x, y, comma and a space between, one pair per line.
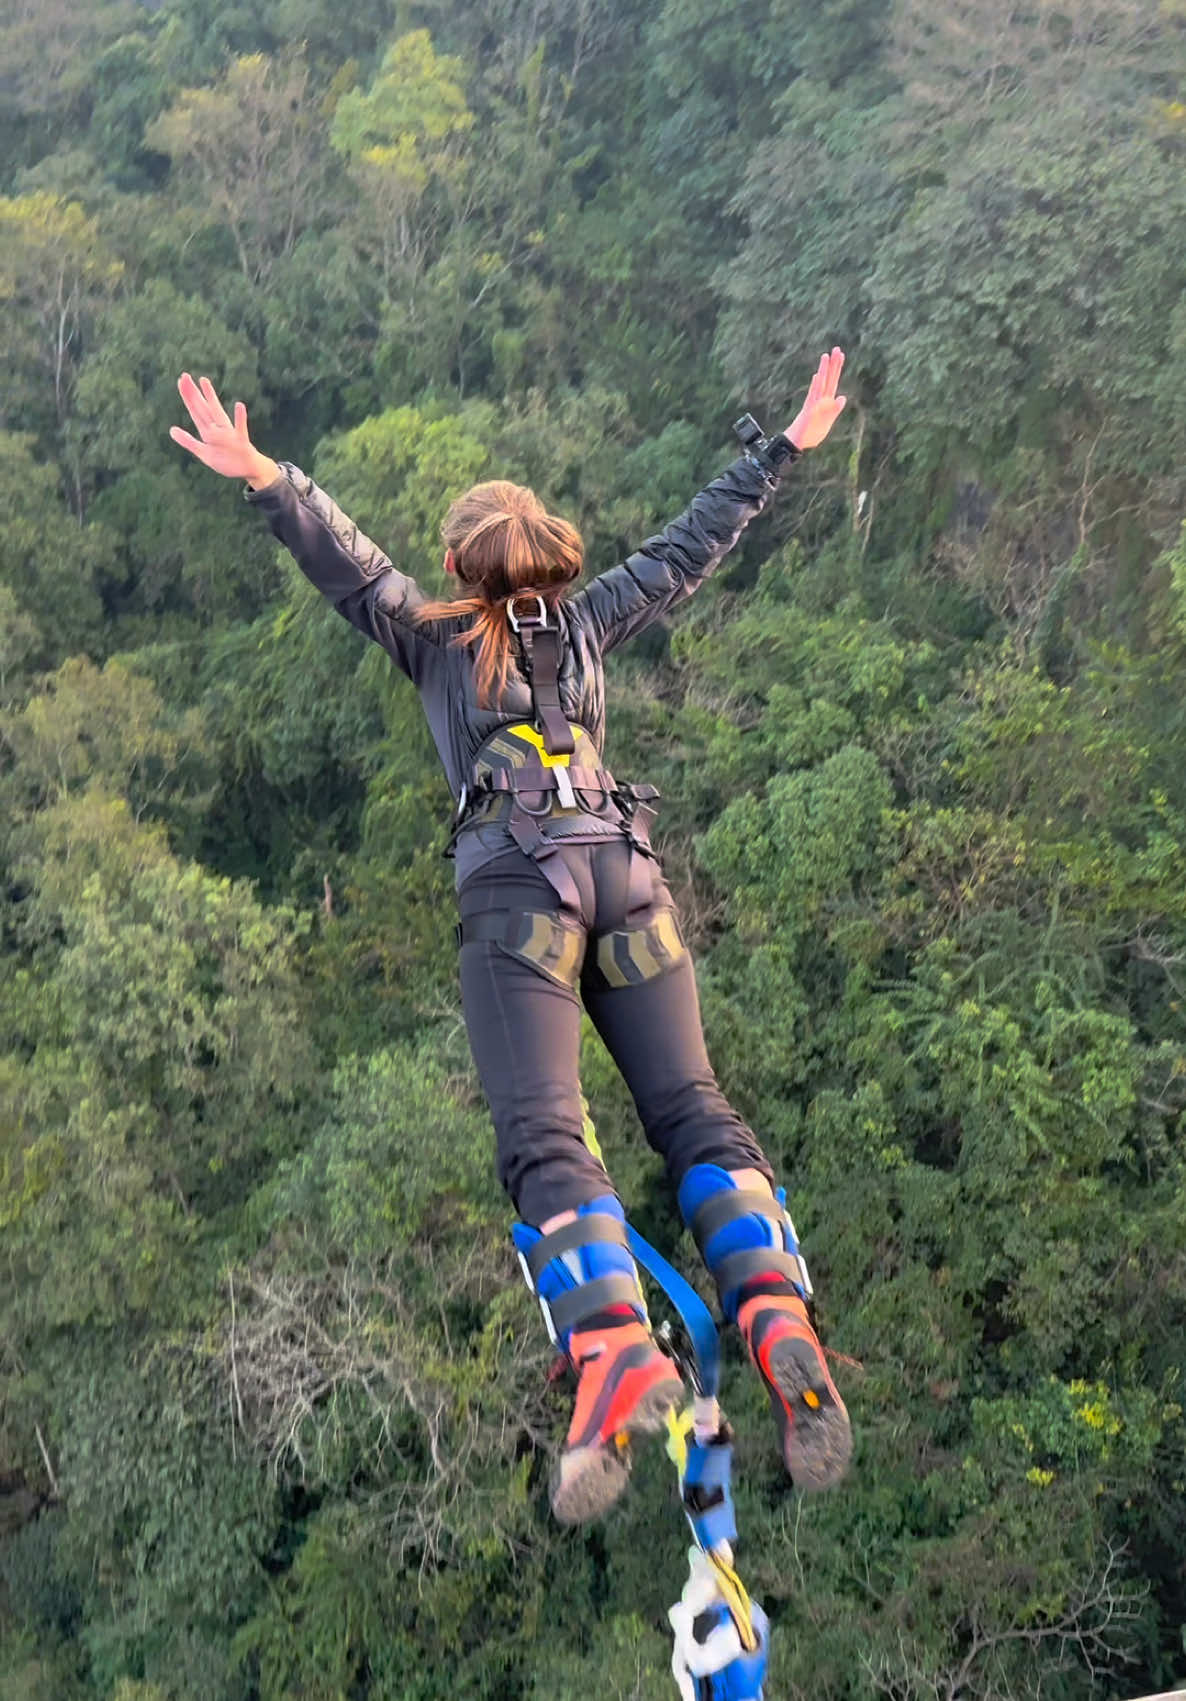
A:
520, 978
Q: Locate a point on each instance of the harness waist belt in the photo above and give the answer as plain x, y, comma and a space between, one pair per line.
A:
548, 779
513, 763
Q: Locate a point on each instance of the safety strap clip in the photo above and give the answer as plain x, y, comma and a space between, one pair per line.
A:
537, 622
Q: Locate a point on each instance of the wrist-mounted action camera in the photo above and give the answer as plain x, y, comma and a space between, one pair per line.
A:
769, 454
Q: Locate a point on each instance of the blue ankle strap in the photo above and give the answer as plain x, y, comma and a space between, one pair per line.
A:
742, 1234
693, 1313
707, 1497
580, 1269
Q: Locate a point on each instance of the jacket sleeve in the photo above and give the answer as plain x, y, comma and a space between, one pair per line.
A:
347, 567
668, 568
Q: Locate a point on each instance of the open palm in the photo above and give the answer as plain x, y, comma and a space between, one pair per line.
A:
822, 407
222, 443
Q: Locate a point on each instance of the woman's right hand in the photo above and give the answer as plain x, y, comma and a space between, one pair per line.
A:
221, 444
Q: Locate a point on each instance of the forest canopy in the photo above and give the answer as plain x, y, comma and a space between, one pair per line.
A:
275, 1422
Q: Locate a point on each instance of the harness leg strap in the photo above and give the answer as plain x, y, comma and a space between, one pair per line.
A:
547, 858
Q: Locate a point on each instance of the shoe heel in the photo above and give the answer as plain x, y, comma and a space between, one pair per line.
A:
818, 1440
587, 1481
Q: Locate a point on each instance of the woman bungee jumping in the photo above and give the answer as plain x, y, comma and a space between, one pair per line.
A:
562, 900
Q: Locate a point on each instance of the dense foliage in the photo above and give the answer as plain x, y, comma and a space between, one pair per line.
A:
274, 1423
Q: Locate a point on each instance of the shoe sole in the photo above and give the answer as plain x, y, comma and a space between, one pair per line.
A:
589, 1480
817, 1442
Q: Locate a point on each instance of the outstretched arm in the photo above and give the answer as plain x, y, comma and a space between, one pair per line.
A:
344, 564
668, 568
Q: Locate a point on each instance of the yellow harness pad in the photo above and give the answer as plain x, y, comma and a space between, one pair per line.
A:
542, 940
516, 747
523, 730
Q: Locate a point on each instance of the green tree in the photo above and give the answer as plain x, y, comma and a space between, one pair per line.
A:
55, 275
402, 136
48, 51
53, 568
156, 1012
397, 472
184, 547
250, 151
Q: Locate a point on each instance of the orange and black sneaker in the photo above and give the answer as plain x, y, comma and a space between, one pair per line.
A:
587, 1285
811, 1417
749, 1244
626, 1386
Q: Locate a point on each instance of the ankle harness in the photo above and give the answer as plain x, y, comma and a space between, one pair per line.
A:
576, 1272
746, 1238
581, 1269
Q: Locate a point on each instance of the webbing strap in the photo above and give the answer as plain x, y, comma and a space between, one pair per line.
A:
497, 926
503, 927
591, 1297
543, 852
642, 879
535, 777
541, 650
598, 1228
741, 1608
694, 1314
741, 1267
726, 1206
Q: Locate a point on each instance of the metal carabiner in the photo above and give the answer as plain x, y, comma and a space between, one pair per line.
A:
540, 624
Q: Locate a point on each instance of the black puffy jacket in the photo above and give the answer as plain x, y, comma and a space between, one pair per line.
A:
381, 601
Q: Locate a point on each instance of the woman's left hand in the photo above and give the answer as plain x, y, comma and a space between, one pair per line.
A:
823, 406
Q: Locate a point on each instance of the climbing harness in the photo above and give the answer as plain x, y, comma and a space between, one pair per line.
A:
524, 774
